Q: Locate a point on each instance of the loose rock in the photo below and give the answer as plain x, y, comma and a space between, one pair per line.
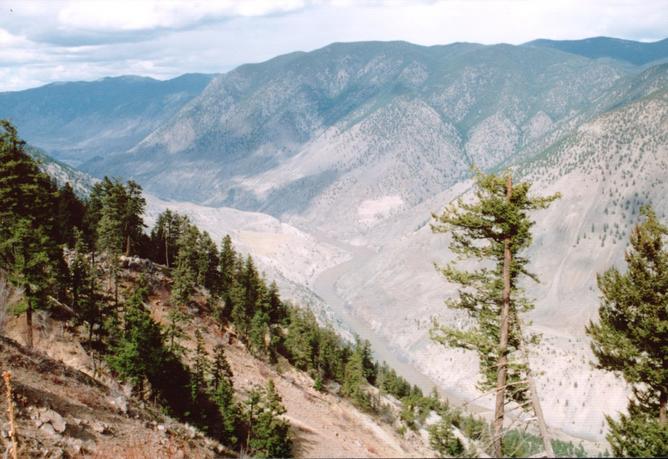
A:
55, 419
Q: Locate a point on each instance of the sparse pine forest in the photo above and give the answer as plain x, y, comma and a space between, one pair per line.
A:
69, 252
66, 251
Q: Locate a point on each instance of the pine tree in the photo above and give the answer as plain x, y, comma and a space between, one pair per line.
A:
109, 230
29, 267
164, 235
25, 192
138, 353
354, 382
227, 264
302, 340
116, 214
245, 295
443, 440
185, 273
492, 229
631, 338
175, 333
638, 433
200, 368
29, 252
221, 367
86, 301
208, 263
133, 211
270, 433
363, 347
222, 393
259, 334
251, 283
93, 212
184, 282
332, 355
274, 306
70, 212
251, 407
236, 298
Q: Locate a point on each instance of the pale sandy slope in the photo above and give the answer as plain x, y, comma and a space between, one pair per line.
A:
617, 158
615, 162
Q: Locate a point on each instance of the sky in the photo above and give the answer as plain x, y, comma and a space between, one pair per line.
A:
43, 41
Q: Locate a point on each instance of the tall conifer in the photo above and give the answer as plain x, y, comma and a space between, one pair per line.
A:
493, 229
631, 338
29, 251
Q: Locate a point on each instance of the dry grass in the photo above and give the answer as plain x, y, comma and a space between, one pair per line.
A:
144, 447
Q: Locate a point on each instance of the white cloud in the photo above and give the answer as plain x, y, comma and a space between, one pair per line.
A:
148, 14
9, 39
43, 41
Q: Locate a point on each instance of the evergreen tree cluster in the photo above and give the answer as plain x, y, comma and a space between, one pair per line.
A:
43, 225
631, 338
273, 329
94, 232
268, 326
36, 219
58, 249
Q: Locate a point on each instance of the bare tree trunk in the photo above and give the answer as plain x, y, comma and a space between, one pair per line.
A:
167, 231
29, 325
502, 368
127, 246
7, 376
5, 293
116, 288
663, 398
535, 401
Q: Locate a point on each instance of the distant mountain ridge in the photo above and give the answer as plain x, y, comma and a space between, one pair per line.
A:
75, 121
357, 110
374, 127
634, 52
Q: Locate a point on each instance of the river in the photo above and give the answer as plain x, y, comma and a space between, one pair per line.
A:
325, 287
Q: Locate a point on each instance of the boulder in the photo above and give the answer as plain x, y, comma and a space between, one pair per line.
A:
53, 418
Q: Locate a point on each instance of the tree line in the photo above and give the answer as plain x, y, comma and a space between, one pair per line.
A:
65, 252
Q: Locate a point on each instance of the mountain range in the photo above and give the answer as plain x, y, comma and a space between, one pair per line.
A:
328, 164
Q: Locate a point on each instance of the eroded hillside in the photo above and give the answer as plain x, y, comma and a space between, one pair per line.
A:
63, 408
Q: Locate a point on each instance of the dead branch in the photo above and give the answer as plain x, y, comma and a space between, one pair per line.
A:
7, 376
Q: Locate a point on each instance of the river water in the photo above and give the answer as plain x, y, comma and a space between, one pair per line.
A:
325, 287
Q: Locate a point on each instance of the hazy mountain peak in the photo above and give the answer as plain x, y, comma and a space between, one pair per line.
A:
634, 52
